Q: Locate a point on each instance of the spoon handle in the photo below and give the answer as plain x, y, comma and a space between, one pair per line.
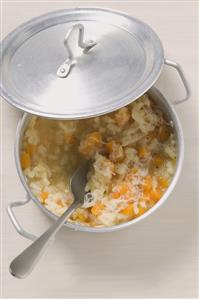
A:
25, 262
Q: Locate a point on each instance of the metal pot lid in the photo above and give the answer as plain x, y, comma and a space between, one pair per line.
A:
79, 63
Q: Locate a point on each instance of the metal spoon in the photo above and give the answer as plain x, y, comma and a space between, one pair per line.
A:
25, 262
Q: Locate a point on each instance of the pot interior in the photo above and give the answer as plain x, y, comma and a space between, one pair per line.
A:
170, 115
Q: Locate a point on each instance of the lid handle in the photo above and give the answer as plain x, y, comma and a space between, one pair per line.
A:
65, 67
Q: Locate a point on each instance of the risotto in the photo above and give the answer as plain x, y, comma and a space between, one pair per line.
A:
133, 158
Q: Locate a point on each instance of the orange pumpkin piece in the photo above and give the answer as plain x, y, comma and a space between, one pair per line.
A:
115, 194
128, 211
97, 209
158, 160
95, 137
80, 214
123, 188
155, 195
82, 217
90, 144
109, 146
25, 160
163, 133
74, 215
70, 138
147, 184
31, 149
44, 196
142, 152
163, 183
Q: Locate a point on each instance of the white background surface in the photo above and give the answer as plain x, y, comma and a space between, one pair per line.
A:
156, 258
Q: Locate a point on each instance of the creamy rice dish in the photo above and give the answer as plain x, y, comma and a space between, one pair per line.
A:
133, 159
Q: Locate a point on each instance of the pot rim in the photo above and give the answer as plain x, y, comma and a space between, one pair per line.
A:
78, 227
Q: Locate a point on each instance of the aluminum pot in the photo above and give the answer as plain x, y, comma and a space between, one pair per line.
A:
171, 116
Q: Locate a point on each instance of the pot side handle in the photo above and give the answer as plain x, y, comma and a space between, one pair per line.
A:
183, 78
15, 222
